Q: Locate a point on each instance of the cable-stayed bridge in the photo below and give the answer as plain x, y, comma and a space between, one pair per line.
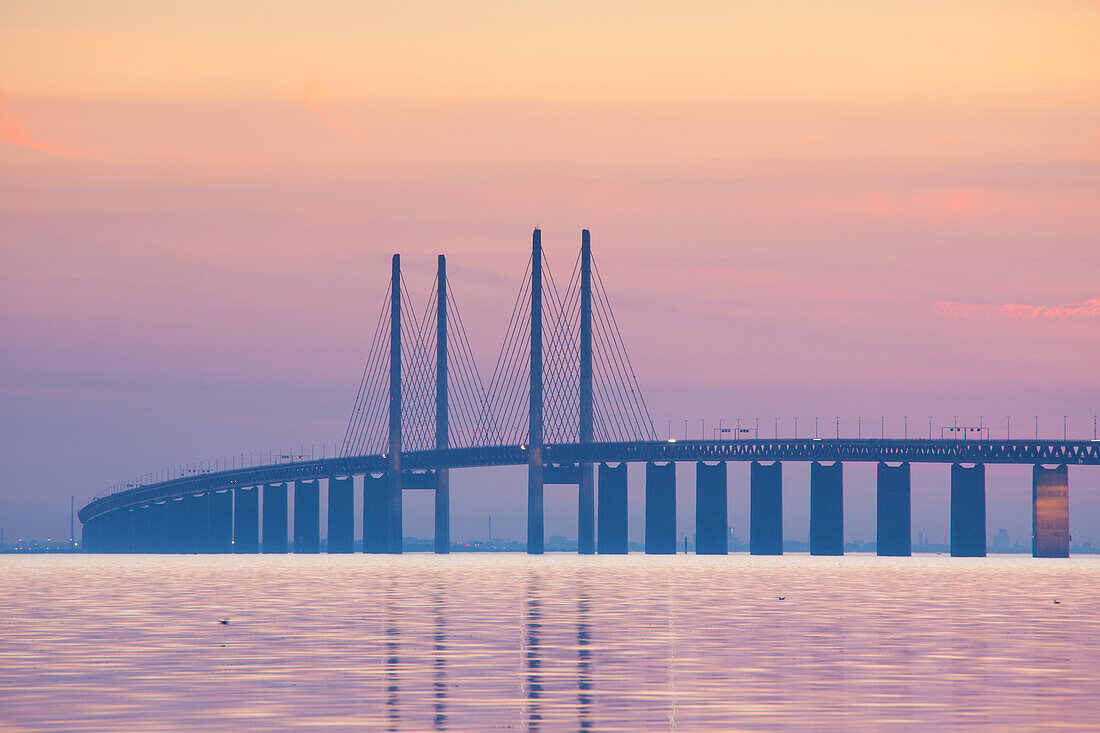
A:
563, 400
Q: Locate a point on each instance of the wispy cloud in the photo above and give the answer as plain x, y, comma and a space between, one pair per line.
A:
1086, 309
335, 122
13, 132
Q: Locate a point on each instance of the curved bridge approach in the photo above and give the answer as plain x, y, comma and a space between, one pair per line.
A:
422, 410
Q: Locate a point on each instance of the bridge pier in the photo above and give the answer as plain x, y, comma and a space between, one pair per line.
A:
142, 537
535, 521
827, 508
275, 519
87, 535
711, 509
586, 509
612, 535
894, 533
968, 536
341, 515
1050, 511
376, 521
766, 508
442, 512
178, 521
160, 520
307, 517
196, 523
660, 508
121, 531
220, 504
246, 520
129, 531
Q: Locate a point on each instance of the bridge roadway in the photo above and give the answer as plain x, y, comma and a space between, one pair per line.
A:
866, 450
563, 462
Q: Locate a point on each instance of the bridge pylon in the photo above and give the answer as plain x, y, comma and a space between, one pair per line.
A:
393, 453
535, 527
586, 504
442, 421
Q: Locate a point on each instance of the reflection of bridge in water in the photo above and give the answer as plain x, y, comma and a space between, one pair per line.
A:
562, 400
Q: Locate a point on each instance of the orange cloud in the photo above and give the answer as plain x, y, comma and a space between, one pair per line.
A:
1086, 309
12, 131
338, 124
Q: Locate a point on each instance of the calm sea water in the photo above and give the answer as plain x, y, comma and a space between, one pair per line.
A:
561, 642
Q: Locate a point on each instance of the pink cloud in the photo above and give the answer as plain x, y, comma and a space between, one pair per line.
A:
1086, 309
335, 122
12, 131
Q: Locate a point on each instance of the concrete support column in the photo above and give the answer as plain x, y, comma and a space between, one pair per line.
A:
105, 533
143, 538
126, 530
535, 521
376, 508
160, 520
442, 511
178, 540
826, 508
307, 517
968, 535
246, 520
894, 535
110, 532
1050, 511
275, 518
220, 504
611, 538
586, 510
711, 511
341, 515
197, 512
660, 508
89, 541
766, 508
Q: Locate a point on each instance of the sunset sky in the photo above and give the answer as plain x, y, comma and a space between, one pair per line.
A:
799, 209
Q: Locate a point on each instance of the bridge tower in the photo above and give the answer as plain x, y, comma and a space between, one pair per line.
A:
393, 452
586, 510
442, 486
535, 534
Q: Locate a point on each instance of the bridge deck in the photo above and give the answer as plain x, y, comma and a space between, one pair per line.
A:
1023, 452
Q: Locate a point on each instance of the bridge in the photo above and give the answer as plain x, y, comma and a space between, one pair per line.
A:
563, 401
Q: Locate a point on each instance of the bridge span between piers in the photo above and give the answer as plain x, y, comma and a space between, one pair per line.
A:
562, 400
